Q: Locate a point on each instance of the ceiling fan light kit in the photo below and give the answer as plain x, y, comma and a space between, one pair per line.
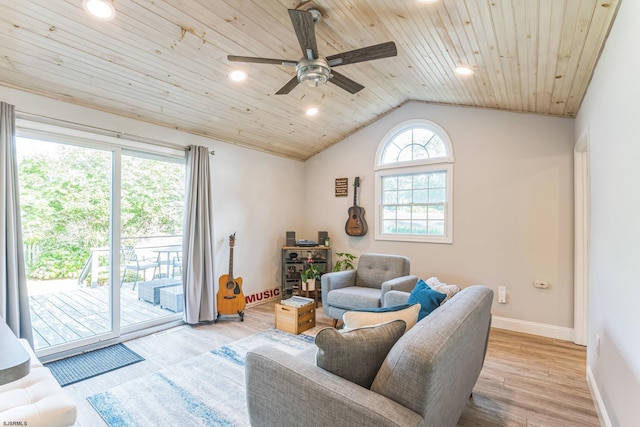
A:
313, 73
313, 70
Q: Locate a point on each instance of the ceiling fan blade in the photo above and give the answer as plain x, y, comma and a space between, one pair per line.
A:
378, 51
235, 58
288, 87
305, 31
345, 83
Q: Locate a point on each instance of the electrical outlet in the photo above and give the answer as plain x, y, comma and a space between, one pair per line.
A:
541, 284
502, 294
598, 345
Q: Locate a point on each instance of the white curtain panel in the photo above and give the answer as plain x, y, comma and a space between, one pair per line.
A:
14, 299
198, 277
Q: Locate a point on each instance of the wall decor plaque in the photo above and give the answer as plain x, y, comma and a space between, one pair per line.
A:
342, 187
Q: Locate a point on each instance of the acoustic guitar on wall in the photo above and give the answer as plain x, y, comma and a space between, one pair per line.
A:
230, 299
356, 224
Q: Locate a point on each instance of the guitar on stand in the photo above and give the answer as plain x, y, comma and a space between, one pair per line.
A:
230, 299
356, 225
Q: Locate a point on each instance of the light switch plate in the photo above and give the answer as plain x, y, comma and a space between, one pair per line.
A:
502, 294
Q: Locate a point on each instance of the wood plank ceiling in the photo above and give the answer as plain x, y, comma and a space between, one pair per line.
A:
164, 61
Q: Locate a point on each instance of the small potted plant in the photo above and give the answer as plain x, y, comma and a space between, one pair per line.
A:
309, 276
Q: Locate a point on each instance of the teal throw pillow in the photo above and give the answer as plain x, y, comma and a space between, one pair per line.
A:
383, 309
428, 299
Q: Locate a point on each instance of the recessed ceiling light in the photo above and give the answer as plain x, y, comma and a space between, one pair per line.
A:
311, 111
100, 9
464, 71
238, 75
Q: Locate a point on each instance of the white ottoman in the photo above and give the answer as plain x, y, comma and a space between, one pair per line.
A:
36, 400
172, 298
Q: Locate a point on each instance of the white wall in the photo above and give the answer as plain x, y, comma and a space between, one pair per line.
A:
513, 206
512, 201
255, 194
610, 115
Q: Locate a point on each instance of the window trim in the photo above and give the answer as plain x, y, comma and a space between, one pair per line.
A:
413, 167
28, 128
405, 126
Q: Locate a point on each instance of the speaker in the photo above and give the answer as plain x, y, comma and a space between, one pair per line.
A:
291, 238
322, 236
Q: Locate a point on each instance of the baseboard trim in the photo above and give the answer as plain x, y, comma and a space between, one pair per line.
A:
542, 329
597, 397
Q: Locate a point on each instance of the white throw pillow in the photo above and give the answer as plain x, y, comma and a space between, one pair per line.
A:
449, 290
358, 319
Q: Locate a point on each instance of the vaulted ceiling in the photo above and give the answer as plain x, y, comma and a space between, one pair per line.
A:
165, 61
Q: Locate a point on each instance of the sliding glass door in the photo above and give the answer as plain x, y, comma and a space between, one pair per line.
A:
65, 199
152, 204
87, 206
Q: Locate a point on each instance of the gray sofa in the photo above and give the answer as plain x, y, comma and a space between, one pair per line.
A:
426, 379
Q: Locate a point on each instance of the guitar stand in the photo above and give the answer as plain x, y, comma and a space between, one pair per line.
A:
240, 313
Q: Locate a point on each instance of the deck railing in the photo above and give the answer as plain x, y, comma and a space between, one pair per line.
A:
98, 260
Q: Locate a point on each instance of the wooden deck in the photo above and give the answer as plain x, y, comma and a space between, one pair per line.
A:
66, 316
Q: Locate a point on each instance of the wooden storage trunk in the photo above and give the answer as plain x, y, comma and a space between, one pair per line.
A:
295, 320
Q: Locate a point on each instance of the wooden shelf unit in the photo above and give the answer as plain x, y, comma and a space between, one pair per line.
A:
292, 267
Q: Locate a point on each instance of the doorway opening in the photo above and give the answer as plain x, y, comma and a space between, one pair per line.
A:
83, 200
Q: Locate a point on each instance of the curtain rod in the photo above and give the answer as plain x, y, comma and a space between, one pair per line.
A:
212, 152
102, 131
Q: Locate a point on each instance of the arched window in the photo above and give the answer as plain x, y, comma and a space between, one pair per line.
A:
414, 176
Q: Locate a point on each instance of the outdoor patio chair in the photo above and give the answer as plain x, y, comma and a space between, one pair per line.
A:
177, 265
131, 262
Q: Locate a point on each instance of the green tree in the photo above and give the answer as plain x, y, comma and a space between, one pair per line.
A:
152, 197
65, 198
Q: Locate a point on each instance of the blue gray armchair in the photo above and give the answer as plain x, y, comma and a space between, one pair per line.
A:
365, 286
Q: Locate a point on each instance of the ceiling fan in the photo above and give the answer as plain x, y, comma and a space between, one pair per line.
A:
314, 70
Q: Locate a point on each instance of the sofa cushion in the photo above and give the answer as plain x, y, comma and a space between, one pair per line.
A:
354, 297
357, 354
36, 399
428, 299
360, 318
449, 290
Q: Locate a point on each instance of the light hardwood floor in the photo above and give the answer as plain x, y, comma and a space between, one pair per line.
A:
527, 380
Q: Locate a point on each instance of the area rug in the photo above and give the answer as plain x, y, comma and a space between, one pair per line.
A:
205, 390
88, 365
